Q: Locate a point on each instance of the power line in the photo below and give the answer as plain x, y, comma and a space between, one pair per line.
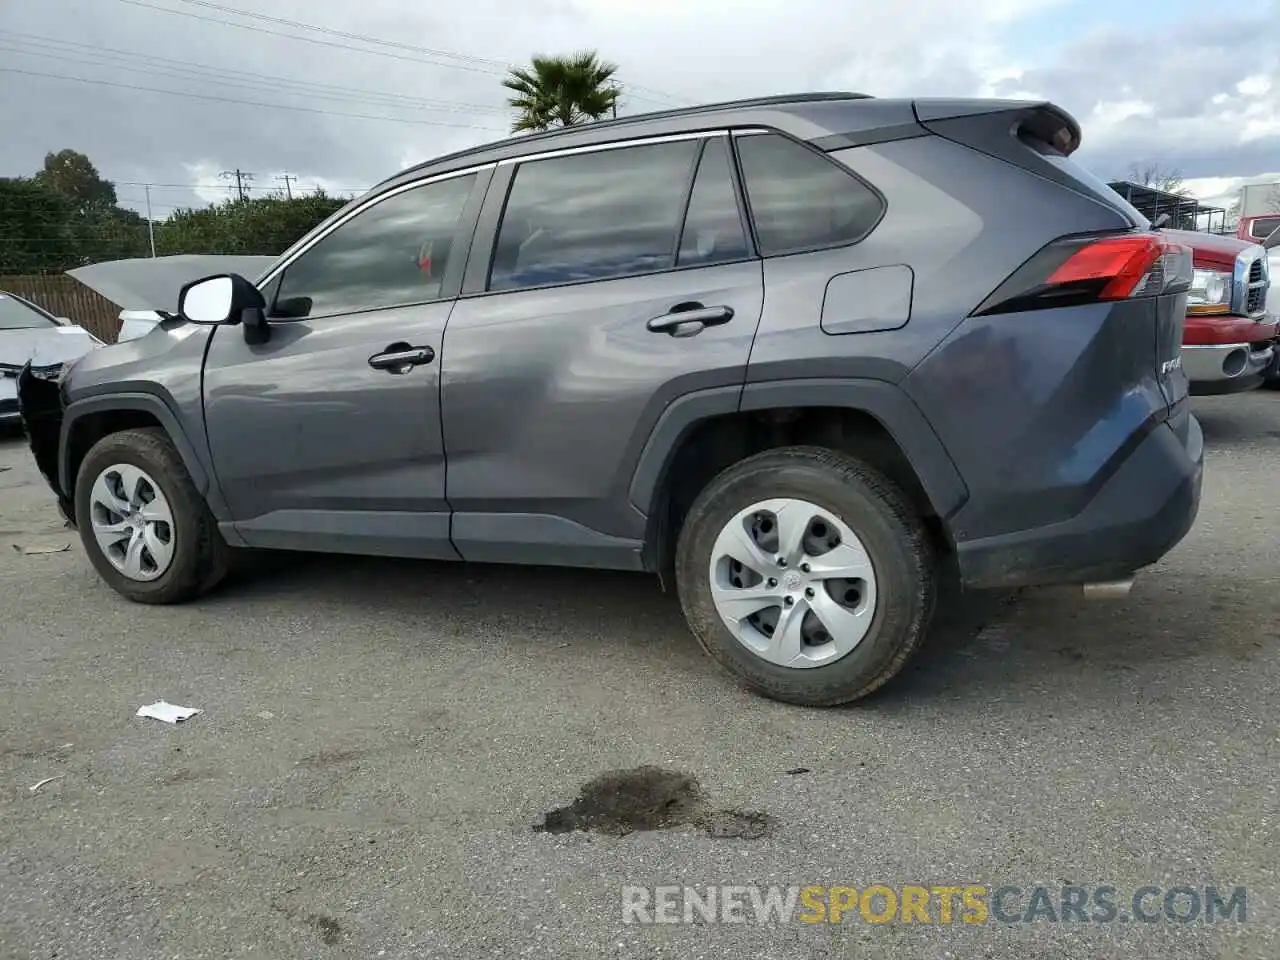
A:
147, 63
294, 36
242, 179
497, 65
459, 61
209, 186
250, 103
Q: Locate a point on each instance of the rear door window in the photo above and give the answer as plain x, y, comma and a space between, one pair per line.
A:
593, 216
799, 199
713, 230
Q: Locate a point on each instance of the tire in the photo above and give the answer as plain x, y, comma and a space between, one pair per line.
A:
904, 577
200, 557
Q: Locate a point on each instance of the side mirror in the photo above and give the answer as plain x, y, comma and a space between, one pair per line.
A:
1273, 239
218, 299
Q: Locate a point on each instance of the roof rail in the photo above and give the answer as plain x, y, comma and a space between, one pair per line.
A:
672, 113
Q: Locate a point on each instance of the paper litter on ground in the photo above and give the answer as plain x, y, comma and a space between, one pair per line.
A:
168, 712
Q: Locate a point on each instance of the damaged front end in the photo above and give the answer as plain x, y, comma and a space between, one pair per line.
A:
40, 405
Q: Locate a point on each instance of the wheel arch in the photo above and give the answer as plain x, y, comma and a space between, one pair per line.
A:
87, 421
700, 434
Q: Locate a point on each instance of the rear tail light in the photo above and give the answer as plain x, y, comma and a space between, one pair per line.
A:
1078, 270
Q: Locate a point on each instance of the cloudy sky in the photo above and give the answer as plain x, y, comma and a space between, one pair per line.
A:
340, 93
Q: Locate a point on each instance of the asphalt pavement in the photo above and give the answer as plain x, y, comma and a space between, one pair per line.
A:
382, 741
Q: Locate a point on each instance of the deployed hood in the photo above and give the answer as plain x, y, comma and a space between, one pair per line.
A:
44, 346
152, 283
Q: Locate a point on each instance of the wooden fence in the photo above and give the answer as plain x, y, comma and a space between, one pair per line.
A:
65, 296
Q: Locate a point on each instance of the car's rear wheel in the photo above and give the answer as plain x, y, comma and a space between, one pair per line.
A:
807, 574
145, 527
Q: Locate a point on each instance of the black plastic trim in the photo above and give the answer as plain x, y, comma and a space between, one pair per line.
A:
893, 409
149, 403
531, 538
867, 138
888, 404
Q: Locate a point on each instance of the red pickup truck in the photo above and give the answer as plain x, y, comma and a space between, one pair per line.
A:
1229, 341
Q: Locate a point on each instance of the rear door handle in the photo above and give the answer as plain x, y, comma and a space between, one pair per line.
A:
687, 320
401, 358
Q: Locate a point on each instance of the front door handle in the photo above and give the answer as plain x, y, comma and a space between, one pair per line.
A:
689, 319
401, 358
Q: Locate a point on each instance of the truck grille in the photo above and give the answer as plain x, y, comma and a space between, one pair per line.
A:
1257, 300
1255, 288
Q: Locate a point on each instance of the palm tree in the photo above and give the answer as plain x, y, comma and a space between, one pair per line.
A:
561, 91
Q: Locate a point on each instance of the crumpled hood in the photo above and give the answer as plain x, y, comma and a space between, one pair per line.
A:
152, 283
45, 346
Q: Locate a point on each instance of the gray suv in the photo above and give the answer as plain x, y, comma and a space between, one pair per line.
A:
800, 356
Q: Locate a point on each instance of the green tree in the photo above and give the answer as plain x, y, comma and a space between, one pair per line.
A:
260, 226
561, 91
1156, 177
74, 176
35, 228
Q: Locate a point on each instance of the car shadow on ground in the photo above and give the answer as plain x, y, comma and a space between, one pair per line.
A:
623, 608
983, 646
1225, 422
1031, 642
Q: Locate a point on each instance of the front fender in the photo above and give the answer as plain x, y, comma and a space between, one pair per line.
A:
151, 404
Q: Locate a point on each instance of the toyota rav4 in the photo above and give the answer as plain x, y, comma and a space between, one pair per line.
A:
800, 356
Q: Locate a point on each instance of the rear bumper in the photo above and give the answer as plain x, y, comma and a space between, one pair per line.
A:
1226, 367
1142, 512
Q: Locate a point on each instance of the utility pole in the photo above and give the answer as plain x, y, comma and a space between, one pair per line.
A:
242, 177
151, 226
286, 178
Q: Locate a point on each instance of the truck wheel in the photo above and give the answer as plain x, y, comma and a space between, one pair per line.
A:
145, 527
807, 574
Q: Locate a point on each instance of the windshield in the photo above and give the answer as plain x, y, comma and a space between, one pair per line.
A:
1263, 227
18, 315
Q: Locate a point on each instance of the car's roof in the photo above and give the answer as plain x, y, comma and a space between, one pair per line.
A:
664, 122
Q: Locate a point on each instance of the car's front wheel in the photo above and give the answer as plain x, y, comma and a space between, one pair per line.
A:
807, 574
145, 527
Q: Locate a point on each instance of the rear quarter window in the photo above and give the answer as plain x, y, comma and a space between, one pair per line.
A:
801, 200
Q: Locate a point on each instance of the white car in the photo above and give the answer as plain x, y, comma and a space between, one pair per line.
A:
143, 286
30, 334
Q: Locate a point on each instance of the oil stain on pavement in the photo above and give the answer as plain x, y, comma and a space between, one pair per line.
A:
651, 798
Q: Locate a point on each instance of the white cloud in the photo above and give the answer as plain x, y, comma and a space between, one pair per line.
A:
1218, 117
1258, 85
1223, 191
